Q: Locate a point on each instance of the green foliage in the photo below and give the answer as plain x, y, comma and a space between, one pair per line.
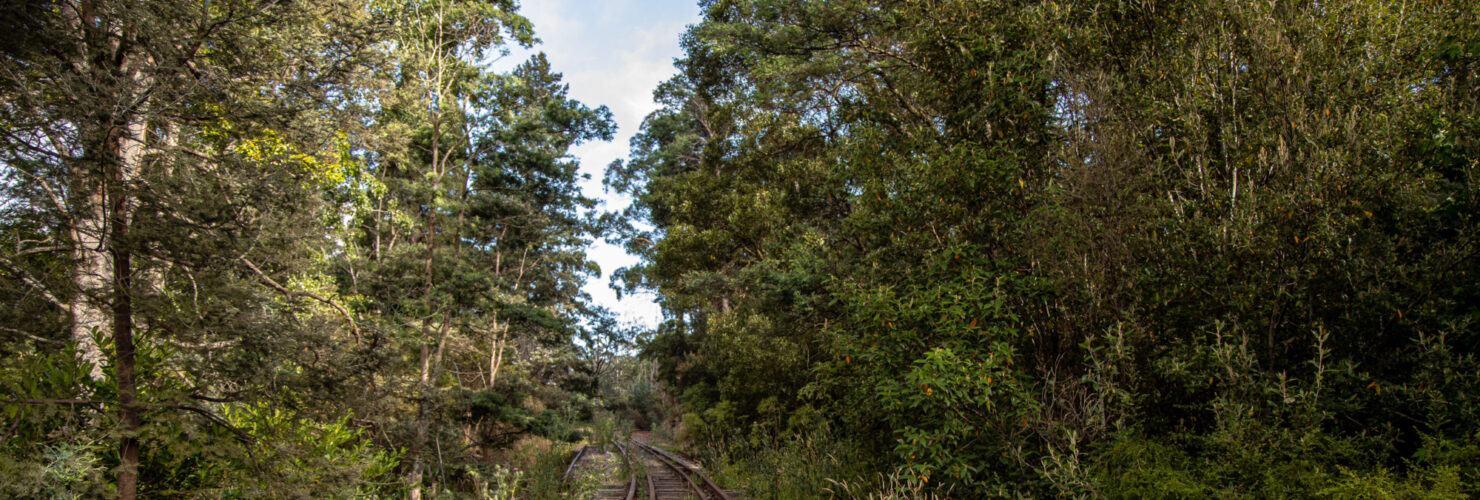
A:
1076, 248
494, 408
545, 478
1028, 249
504, 483
33, 463
631, 395
603, 429
320, 223
1137, 468
321, 459
62, 471
802, 463
1442, 483
246, 450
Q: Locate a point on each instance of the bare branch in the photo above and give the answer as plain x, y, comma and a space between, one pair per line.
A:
204, 345
31, 336
98, 405
241, 435
51, 193
50, 248
26, 278
212, 399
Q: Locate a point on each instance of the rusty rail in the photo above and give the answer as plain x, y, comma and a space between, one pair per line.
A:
707, 490
631, 473
573, 462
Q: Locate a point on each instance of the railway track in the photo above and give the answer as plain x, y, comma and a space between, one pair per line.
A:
668, 477
630, 491
627, 491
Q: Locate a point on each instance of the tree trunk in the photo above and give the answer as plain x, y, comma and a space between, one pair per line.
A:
126, 148
92, 272
112, 134
91, 276
418, 463
123, 340
496, 351
413, 480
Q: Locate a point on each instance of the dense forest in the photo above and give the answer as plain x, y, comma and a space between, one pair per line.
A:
286, 248
905, 249
1128, 249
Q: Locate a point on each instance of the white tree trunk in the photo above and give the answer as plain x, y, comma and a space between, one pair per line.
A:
92, 277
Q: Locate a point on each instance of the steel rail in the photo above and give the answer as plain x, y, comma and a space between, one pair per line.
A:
652, 487
677, 470
631, 473
573, 461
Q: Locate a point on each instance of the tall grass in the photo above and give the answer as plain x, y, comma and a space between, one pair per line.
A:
545, 477
809, 465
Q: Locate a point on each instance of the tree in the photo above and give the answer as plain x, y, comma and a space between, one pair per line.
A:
219, 216
1061, 248
158, 146
473, 239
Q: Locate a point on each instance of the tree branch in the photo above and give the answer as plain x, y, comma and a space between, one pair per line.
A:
26, 278
50, 248
241, 435
204, 345
97, 405
213, 399
353, 328
31, 336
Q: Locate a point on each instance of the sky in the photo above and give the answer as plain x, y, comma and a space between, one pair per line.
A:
612, 53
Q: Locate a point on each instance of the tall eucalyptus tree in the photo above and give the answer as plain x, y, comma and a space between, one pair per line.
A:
471, 245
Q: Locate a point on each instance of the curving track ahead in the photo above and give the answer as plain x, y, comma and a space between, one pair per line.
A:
670, 478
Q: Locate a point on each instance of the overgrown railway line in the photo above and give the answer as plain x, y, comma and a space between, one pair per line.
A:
665, 477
